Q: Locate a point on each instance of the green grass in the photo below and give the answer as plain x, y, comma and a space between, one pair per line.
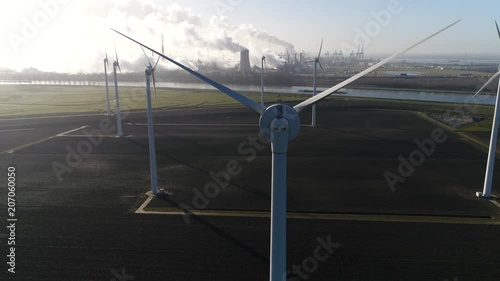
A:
26, 100
476, 127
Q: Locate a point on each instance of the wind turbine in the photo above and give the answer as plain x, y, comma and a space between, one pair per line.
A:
316, 62
279, 124
106, 63
151, 135
488, 179
153, 68
116, 64
262, 80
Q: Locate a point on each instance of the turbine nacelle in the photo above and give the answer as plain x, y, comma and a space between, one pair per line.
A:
149, 70
106, 58
279, 111
117, 65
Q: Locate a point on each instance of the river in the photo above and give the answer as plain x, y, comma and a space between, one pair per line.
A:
380, 94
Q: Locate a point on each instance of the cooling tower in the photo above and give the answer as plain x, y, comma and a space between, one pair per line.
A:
245, 61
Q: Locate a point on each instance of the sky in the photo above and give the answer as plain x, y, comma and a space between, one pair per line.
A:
72, 36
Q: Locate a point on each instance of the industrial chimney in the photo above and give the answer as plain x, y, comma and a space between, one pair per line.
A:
245, 61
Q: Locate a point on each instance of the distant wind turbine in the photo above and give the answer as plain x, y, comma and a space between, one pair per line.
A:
316, 63
116, 65
262, 80
488, 180
106, 63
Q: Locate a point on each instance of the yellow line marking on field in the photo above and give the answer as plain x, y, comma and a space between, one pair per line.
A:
16, 130
14, 149
319, 216
71, 131
495, 202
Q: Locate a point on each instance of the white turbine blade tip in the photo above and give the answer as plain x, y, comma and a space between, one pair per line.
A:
116, 54
158, 60
147, 58
486, 84
498, 30
320, 48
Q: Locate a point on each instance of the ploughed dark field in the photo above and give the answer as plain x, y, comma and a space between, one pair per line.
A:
78, 222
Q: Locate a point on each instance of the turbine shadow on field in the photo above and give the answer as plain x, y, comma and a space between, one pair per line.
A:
220, 232
205, 172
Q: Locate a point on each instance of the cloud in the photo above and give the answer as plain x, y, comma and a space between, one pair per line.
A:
76, 38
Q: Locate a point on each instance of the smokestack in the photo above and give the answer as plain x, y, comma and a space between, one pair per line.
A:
245, 61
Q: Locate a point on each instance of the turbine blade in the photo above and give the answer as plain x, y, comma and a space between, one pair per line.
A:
116, 55
149, 62
320, 47
162, 50
486, 84
157, 62
498, 90
154, 85
498, 30
301, 106
106, 53
233, 94
322, 69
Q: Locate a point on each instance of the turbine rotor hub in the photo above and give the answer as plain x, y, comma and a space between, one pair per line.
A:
279, 111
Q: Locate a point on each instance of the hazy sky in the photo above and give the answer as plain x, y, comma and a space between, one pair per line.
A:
54, 35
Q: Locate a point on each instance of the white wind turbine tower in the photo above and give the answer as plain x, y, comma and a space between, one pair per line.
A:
151, 135
488, 179
263, 60
116, 64
316, 62
106, 63
279, 124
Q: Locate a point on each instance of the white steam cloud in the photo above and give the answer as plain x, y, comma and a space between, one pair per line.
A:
79, 34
